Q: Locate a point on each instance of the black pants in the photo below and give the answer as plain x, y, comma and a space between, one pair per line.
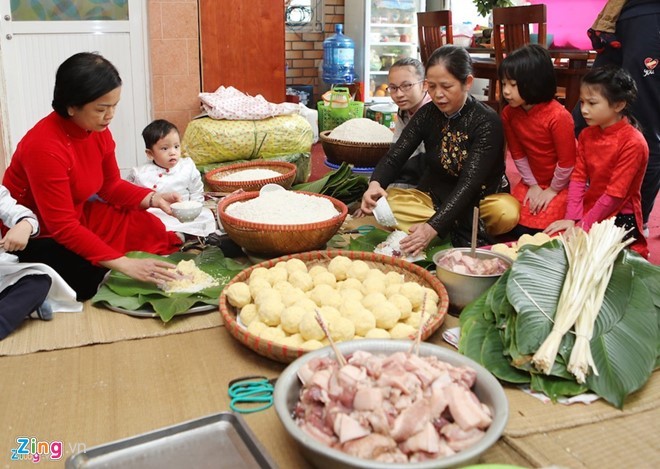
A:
20, 299
78, 272
639, 41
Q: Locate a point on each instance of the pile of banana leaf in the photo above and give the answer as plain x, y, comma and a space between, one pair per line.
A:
340, 183
505, 327
122, 291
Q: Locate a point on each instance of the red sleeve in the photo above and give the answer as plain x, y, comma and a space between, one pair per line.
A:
49, 175
116, 190
512, 142
580, 171
631, 156
563, 136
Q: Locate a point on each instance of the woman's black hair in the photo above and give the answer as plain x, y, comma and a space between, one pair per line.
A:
615, 84
455, 59
81, 79
532, 70
412, 62
157, 130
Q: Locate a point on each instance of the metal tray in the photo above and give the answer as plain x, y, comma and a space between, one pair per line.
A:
219, 440
149, 313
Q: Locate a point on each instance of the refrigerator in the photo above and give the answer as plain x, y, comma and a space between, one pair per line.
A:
383, 32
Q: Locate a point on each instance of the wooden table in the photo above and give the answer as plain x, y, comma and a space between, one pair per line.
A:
570, 66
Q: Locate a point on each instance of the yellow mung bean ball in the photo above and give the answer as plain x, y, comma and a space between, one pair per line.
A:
338, 266
386, 314
295, 265
358, 269
377, 333
248, 314
290, 319
238, 294
402, 303
302, 280
402, 331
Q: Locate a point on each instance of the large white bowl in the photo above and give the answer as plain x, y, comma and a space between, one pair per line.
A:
487, 388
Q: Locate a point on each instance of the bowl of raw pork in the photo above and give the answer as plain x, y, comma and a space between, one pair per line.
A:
467, 277
358, 416
275, 223
251, 176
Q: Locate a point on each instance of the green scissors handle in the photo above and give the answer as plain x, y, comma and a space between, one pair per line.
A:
247, 391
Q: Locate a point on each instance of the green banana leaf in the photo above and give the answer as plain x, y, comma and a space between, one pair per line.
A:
539, 274
340, 183
122, 291
626, 336
625, 350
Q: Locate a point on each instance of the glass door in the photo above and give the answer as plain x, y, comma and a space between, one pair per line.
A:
392, 35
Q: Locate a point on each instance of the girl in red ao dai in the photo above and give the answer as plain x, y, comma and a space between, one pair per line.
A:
611, 159
539, 135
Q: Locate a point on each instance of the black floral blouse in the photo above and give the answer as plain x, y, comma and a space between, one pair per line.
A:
465, 162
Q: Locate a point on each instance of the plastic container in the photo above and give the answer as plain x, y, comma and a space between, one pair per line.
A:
383, 114
339, 58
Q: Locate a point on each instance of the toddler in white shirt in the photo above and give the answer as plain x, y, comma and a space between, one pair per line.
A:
168, 172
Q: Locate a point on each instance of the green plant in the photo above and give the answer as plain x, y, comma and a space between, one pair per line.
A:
484, 7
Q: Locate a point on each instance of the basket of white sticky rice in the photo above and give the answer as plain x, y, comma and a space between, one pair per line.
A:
251, 176
275, 223
360, 142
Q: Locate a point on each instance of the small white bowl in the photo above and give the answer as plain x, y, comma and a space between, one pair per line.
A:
383, 213
186, 211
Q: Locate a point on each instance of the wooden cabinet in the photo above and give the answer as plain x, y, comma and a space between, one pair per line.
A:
242, 45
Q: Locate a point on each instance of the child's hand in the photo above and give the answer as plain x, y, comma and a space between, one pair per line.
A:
559, 225
542, 201
17, 237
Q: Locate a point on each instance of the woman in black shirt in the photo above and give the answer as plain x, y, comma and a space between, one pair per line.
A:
464, 143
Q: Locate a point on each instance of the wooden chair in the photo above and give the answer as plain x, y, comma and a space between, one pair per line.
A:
434, 29
511, 30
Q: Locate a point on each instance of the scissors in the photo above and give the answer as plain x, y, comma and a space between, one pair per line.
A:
363, 230
248, 391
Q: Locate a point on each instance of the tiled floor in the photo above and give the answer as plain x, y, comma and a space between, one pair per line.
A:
319, 168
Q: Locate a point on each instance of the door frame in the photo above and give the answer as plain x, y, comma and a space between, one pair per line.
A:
137, 26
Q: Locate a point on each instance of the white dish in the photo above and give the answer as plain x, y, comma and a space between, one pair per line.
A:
149, 313
383, 213
270, 188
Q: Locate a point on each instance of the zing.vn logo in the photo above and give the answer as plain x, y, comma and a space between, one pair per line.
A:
29, 449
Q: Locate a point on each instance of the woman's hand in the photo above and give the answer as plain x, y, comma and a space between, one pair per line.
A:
17, 237
144, 270
559, 225
420, 236
371, 196
539, 199
161, 200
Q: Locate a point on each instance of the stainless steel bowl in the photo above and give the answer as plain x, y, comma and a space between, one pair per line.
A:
487, 388
465, 288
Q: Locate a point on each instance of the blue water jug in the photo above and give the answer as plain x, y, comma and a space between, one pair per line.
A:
338, 58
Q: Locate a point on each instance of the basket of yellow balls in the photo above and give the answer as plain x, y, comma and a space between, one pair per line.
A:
271, 307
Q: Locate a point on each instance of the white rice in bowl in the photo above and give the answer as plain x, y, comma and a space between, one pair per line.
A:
249, 175
362, 130
283, 208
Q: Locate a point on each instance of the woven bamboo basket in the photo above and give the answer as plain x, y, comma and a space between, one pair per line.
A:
360, 154
277, 240
287, 175
284, 354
